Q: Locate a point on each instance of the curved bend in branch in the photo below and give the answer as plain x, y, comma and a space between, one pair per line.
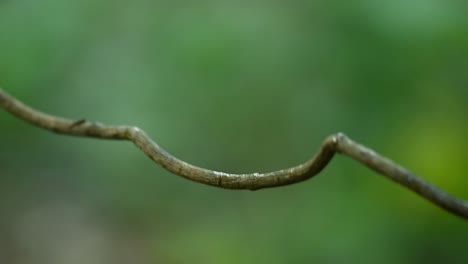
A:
338, 143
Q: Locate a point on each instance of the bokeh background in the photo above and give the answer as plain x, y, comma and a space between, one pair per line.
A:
236, 86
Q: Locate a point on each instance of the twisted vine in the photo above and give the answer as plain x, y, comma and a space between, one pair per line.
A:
338, 143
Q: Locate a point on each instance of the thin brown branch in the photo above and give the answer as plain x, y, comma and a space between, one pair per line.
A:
338, 143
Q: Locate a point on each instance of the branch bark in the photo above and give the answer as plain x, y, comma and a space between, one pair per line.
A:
338, 143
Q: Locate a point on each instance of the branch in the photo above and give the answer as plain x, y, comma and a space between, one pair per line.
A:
338, 143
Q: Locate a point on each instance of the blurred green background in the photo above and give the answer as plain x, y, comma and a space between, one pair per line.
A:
236, 86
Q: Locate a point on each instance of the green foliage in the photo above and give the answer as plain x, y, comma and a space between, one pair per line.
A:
240, 87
